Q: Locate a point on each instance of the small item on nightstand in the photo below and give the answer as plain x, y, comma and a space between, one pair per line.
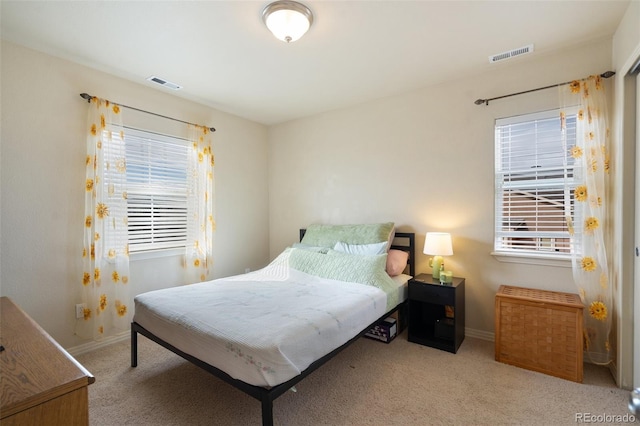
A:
448, 311
446, 277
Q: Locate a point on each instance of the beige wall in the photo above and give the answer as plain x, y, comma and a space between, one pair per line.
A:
425, 161
42, 170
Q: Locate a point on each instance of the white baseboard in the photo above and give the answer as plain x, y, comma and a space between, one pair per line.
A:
92, 346
125, 335
479, 334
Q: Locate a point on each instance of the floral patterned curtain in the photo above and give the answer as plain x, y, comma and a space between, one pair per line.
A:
588, 226
105, 257
200, 224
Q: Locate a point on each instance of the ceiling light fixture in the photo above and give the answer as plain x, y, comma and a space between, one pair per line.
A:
287, 20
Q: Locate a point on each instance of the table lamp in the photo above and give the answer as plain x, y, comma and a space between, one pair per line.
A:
437, 244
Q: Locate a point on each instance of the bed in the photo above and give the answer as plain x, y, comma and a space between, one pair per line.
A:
266, 330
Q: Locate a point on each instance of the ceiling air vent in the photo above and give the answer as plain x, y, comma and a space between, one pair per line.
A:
510, 54
164, 83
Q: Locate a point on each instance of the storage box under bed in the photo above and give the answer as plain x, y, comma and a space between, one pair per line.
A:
385, 330
539, 330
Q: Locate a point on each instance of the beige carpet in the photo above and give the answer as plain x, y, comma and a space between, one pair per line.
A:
369, 383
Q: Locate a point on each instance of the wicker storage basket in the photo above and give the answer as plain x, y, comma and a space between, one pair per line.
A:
540, 330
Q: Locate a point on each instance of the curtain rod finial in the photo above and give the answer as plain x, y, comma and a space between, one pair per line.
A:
608, 74
481, 101
85, 96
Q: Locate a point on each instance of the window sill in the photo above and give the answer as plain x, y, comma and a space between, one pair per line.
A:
533, 259
154, 254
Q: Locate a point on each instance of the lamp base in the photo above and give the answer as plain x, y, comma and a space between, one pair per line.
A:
435, 264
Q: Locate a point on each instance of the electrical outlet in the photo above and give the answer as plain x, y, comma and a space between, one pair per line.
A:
79, 310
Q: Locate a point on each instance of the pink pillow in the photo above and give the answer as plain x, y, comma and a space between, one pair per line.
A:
396, 262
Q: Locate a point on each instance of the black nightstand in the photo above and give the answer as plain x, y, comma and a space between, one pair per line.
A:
436, 312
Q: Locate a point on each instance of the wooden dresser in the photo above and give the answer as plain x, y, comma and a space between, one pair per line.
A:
40, 383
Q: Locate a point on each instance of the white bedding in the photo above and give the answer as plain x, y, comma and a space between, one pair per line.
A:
264, 327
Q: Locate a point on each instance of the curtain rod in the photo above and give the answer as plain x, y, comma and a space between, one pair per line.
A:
486, 101
88, 98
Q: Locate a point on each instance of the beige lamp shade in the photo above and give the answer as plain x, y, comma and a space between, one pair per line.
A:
438, 244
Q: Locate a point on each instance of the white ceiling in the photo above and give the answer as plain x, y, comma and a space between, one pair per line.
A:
356, 51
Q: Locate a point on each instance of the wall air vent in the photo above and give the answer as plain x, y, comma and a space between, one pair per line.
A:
511, 54
164, 83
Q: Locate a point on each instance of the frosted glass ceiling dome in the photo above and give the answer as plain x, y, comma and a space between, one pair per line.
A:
287, 20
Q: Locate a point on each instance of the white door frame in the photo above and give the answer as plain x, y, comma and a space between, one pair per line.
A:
636, 269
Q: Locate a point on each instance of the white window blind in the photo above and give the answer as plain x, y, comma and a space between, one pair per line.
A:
157, 190
534, 183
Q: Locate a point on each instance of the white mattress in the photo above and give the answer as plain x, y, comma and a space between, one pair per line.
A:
264, 327
401, 282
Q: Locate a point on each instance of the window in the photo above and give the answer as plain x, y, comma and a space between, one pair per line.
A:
156, 191
534, 184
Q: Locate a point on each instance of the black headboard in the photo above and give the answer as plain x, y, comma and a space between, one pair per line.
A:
405, 241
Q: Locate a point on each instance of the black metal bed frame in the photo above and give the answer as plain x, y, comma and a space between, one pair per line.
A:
266, 395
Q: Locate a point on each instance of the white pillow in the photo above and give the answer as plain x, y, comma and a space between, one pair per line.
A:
362, 249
